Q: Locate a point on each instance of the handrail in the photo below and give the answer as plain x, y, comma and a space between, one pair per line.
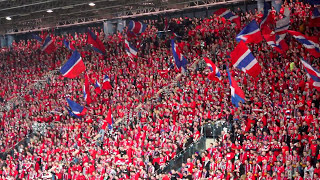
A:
184, 151
117, 122
4, 154
19, 96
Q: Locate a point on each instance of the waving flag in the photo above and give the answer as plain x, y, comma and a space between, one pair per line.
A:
136, 27
215, 74
131, 34
74, 66
276, 42
38, 38
110, 120
227, 14
71, 113
175, 35
250, 33
283, 24
311, 44
95, 43
237, 95
86, 90
68, 45
131, 50
97, 87
267, 16
313, 74
106, 82
179, 59
281, 29
277, 5
76, 108
85, 95
48, 45
243, 59
315, 18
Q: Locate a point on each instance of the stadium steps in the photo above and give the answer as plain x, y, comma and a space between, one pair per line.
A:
209, 141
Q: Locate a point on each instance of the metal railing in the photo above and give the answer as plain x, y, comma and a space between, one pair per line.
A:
208, 130
24, 142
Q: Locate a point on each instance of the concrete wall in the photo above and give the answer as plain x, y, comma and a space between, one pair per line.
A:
112, 26
6, 41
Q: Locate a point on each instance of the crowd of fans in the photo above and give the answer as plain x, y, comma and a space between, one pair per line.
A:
158, 110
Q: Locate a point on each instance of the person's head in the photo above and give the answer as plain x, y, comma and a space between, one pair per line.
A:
308, 163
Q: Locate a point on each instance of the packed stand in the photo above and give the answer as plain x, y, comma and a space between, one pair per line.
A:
275, 134
154, 124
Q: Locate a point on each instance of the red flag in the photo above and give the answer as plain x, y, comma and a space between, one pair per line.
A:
106, 83
277, 42
242, 58
108, 121
109, 117
87, 90
97, 87
48, 45
96, 43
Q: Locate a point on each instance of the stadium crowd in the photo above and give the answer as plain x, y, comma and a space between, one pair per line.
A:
158, 111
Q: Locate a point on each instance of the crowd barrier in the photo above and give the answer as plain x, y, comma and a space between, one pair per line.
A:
208, 130
24, 142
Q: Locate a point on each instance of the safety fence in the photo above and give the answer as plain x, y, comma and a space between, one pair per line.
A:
208, 130
24, 142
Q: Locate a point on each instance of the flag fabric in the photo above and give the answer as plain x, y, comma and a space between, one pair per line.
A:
110, 120
215, 74
68, 45
136, 27
243, 59
283, 24
267, 16
74, 66
277, 5
44, 34
315, 18
130, 49
227, 14
86, 90
85, 95
237, 95
97, 87
106, 83
71, 113
309, 43
38, 38
95, 43
48, 45
313, 74
130, 34
277, 42
76, 108
179, 59
272, 38
250, 33
175, 36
